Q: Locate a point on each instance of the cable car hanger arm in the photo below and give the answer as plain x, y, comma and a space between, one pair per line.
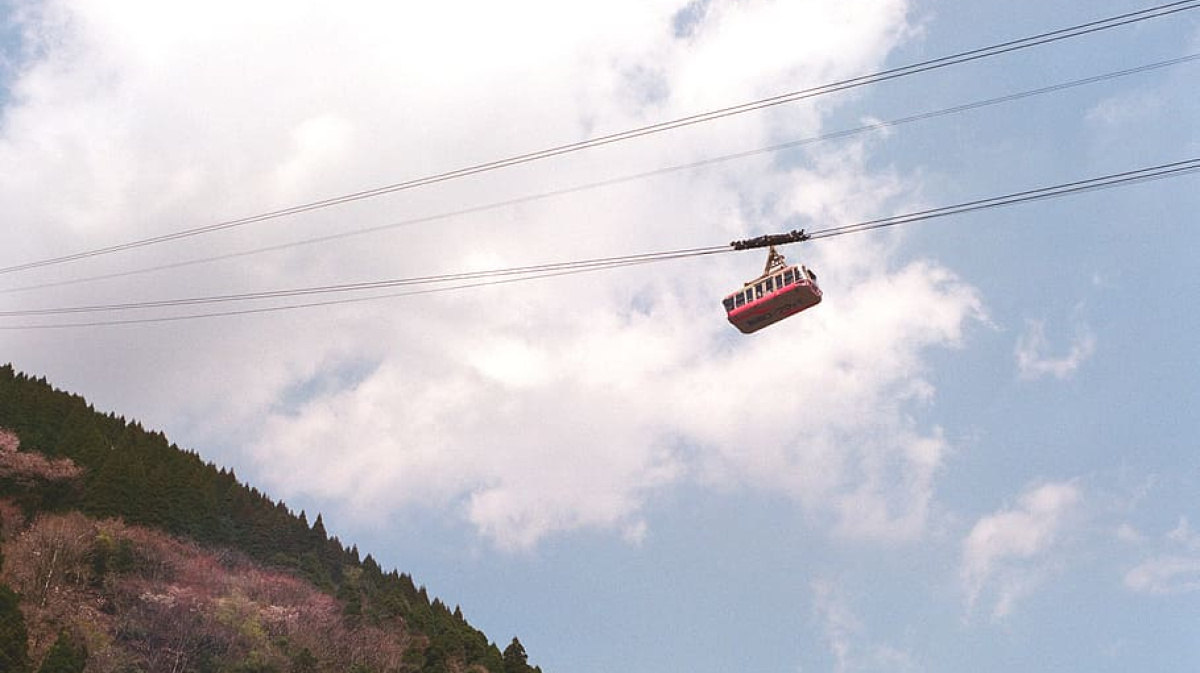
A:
775, 260
766, 240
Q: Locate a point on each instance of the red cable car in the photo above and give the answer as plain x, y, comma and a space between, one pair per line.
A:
781, 291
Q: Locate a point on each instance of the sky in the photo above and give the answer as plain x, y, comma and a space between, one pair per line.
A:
980, 450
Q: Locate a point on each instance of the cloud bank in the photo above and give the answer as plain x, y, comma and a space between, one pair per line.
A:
528, 410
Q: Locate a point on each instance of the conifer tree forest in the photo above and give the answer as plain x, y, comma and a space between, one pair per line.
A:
121, 552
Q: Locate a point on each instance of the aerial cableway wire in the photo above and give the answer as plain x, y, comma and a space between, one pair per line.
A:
1163, 171
711, 161
581, 265
1049, 37
501, 276
565, 271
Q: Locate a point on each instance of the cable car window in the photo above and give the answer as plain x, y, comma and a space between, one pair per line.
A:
741, 298
728, 304
788, 277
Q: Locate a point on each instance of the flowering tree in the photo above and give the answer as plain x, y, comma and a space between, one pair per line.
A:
27, 468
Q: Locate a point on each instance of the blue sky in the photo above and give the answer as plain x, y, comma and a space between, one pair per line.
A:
979, 451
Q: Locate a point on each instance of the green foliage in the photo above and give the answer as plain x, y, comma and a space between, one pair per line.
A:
65, 656
316, 571
14, 645
303, 662
255, 665
109, 555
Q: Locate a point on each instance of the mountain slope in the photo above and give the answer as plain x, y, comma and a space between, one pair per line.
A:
143, 533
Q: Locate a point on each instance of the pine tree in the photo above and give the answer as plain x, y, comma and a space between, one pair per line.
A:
318, 529
515, 659
14, 640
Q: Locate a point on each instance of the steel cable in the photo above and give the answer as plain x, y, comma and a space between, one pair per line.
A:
802, 94
514, 274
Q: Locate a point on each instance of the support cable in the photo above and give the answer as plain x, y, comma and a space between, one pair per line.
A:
498, 276
711, 161
790, 97
1174, 169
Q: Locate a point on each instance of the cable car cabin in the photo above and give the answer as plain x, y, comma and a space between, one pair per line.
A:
777, 294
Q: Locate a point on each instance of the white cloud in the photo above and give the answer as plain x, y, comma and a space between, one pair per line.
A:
1008, 554
528, 410
1175, 570
1182, 534
1128, 534
848, 638
534, 435
1034, 362
841, 627
1167, 574
1124, 110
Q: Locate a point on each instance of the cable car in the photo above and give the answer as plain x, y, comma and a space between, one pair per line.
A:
781, 291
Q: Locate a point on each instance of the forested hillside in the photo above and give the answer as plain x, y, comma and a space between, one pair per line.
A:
124, 552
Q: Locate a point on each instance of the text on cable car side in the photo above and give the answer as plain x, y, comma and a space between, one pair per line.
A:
781, 291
